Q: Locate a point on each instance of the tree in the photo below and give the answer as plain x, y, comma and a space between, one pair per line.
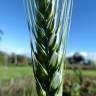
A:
48, 23
13, 59
77, 57
22, 60
3, 58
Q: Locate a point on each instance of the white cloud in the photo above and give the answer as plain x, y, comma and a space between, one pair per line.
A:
19, 51
92, 56
70, 54
14, 50
85, 54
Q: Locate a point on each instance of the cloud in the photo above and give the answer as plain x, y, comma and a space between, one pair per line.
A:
15, 50
92, 56
19, 51
85, 54
70, 54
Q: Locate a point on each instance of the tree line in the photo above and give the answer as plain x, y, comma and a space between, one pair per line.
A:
14, 59
22, 60
78, 60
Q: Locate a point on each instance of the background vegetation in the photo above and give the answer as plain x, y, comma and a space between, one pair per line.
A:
17, 79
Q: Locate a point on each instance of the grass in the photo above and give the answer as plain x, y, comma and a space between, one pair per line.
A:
86, 73
15, 72
9, 73
19, 72
20, 76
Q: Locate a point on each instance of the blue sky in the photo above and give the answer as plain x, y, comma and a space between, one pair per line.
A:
82, 35
13, 23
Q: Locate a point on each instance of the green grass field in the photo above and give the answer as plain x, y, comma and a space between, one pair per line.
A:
15, 72
86, 73
20, 76
19, 72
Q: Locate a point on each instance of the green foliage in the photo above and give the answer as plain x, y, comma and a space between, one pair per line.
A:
8, 73
14, 60
20, 81
73, 86
15, 81
3, 58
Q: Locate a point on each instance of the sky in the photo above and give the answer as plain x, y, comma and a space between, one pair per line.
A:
82, 34
13, 23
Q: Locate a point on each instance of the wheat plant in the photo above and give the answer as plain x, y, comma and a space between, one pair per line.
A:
48, 23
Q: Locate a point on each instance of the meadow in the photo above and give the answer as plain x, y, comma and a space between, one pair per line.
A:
15, 72
85, 73
19, 72
19, 81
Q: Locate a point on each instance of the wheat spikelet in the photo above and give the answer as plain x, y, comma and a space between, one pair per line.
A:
48, 23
